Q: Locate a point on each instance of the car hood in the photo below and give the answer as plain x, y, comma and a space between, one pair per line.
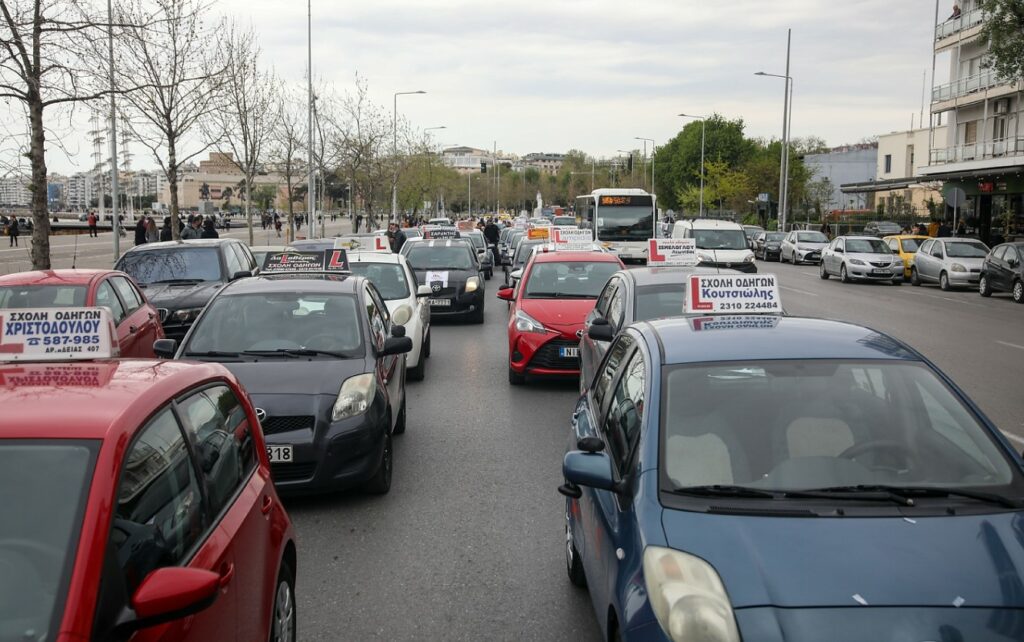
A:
872, 258
886, 561
970, 263
300, 376
807, 245
177, 297
559, 313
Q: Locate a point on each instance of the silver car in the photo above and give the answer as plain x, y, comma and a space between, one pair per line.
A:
861, 258
950, 262
801, 246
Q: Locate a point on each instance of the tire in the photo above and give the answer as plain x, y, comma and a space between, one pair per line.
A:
380, 483
573, 564
426, 346
822, 272
915, 280
843, 276
944, 282
400, 424
1018, 291
477, 316
283, 619
984, 288
419, 371
515, 378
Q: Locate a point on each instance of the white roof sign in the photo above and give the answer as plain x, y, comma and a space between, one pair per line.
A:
672, 252
363, 243
573, 239
57, 334
732, 294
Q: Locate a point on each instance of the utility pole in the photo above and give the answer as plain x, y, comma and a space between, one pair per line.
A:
115, 223
310, 176
784, 179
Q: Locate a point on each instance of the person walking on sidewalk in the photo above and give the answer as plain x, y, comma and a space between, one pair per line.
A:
91, 220
12, 231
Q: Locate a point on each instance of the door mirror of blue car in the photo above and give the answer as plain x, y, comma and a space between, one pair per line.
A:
589, 469
600, 330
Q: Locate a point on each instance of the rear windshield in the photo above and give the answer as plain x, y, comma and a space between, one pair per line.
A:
181, 263
911, 245
42, 296
389, 278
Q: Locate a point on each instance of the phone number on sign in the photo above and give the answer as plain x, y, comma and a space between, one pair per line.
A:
78, 340
762, 305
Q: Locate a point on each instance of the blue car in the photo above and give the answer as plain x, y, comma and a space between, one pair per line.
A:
780, 478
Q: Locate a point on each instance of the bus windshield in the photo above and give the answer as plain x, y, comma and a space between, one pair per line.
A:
630, 223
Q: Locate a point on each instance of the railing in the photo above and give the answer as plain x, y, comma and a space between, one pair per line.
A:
968, 85
955, 25
978, 151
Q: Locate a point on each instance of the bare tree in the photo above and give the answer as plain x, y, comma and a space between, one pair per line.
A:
174, 57
248, 117
289, 140
366, 158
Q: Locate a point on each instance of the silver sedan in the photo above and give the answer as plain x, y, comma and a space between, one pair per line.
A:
950, 262
865, 258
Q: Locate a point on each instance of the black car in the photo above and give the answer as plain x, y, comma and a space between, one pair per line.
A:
180, 277
519, 258
452, 270
768, 245
476, 237
1003, 271
324, 367
882, 228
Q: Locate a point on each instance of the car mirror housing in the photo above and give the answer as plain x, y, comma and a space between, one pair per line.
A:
165, 348
517, 274
506, 294
396, 345
423, 290
601, 331
838, 250
170, 593
591, 469
398, 330
242, 274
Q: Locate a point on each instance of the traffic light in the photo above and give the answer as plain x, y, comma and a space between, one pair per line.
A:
483, 168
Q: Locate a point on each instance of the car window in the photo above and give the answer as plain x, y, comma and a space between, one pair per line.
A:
233, 261
246, 256
999, 252
617, 309
611, 363
937, 250
604, 299
840, 244
925, 248
129, 296
894, 245
625, 412
159, 517
378, 329
42, 296
106, 297
221, 439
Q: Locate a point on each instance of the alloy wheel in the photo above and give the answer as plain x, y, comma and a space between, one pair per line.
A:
284, 613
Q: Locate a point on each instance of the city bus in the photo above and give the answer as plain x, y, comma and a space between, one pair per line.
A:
621, 219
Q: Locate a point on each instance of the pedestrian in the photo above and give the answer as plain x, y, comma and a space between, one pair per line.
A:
943, 231
359, 222
209, 230
961, 228
166, 233
152, 233
277, 225
826, 229
13, 231
91, 220
140, 231
396, 237
192, 231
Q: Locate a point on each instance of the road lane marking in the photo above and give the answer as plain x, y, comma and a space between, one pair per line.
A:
1012, 345
804, 292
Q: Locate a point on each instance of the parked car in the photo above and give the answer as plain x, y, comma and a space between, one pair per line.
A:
768, 245
751, 232
950, 262
854, 258
882, 228
906, 246
801, 246
1003, 271
137, 320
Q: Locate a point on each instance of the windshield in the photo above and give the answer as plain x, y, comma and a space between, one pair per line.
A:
43, 487
571, 279
564, 220
42, 296
811, 237
453, 257
751, 232
389, 278
476, 239
799, 425
965, 250
720, 239
911, 245
180, 263
655, 302
775, 237
278, 321
630, 223
867, 246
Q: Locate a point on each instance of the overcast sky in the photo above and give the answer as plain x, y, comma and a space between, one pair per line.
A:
551, 75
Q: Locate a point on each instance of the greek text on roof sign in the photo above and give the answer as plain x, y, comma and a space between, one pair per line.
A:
572, 239
57, 334
672, 252
732, 293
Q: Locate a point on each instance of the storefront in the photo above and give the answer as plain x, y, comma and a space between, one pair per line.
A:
994, 206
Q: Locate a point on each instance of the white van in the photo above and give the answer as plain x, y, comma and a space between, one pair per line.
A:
719, 243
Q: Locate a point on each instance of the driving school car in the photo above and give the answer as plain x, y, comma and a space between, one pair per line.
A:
452, 271
137, 494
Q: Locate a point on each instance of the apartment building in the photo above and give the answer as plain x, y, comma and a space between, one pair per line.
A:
547, 163
981, 150
14, 191
466, 160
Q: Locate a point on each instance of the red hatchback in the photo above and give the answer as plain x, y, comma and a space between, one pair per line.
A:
138, 505
137, 321
549, 305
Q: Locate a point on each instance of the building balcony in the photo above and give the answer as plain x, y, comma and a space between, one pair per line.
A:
986, 79
953, 26
1002, 148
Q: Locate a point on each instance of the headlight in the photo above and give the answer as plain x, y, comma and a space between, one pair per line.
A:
705, 258
355, 397
956, 267
526, 323
402, 314
688, 597
857, 262
187, 314
472, 283
748, 258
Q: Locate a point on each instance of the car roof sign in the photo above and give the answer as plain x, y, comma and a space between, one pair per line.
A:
441, 233
296, 262
572, 239
672, 252
363, 243
57, 334
732, 294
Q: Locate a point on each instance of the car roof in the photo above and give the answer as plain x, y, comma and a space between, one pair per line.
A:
565, 257
905, 236
55, 277
94, 395
858, 237
666, 275
272, 283
790, 338
164, 245
711, 224
446, 242
375, 257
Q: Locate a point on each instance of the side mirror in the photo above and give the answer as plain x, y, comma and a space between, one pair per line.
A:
170, 593
601, 330
396, 345
838, 250
423, 290
517, 274
589, 469
241, 274
165, 348
506, 293
398, 330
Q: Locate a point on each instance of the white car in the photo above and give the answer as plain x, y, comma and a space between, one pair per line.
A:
405, 301
441, 220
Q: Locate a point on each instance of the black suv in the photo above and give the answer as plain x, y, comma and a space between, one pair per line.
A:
180, 277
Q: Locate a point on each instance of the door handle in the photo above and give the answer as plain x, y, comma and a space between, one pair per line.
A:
268, 503
133, 329
227, 572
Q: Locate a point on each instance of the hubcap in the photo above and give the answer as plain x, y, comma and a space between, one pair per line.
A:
1018, 291
284, 613
981, 284
568, 545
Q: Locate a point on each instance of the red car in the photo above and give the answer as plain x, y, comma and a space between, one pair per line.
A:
137, 321
138, 505
548, 306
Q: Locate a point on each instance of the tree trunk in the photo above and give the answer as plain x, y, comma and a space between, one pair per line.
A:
248, 214
172, 184
40, 220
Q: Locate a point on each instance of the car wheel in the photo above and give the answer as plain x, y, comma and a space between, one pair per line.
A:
515, 378
380, 483
843, 276
285, 621
914, 278
400, 424
822, 272
984, 289
1018, 291
426, 345
944, 282
573, 564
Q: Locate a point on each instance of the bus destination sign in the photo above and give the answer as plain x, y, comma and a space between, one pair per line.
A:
625, 201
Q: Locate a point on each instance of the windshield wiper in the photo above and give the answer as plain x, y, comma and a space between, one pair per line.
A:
558, 295
211, 353
723, 490
178, 281
908, 493
270, 353
297, 352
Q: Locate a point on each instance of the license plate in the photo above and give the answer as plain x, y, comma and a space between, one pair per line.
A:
569, 353
441, 303
880, 272
280, 454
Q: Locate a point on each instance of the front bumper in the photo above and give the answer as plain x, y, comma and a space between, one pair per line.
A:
742, 266
461, 304
964, 279
542, 354
873, 273
808, 256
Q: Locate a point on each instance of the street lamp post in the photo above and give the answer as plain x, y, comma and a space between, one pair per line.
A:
651, 141
702, 120
430, 169
787, 110
394, 183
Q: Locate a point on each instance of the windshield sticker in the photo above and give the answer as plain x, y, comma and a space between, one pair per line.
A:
732, 293
672, 252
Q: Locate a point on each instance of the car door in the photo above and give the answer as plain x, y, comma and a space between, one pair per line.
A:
161, 518
836, 256
933, 262
239, 500
107, 297
994, 267
390, 368
787, 247
591, 351
141, 320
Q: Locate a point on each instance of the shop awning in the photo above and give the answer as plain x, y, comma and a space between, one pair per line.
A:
883, 185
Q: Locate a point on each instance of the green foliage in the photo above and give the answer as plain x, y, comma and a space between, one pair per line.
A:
1004, 28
